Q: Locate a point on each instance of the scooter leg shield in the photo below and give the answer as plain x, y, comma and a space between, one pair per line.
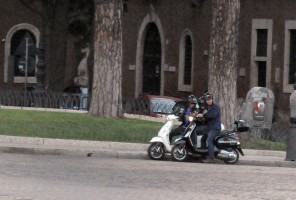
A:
163, 141
157, 139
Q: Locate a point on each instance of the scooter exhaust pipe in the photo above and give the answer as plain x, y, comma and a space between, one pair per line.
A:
226, 154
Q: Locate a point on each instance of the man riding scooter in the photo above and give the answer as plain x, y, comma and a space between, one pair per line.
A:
213, 118
191, 110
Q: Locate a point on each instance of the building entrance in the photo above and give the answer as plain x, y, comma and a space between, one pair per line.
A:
152, 61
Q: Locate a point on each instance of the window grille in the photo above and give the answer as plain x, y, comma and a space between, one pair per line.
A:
261, 73
188, 60
15, 42
261, 42
292, 65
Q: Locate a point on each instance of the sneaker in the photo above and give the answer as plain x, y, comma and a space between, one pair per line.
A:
209, 160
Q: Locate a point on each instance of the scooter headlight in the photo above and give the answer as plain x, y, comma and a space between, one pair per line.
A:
190, 119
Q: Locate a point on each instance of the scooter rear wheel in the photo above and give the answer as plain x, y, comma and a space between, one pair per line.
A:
234, 160
179, 153
156, 151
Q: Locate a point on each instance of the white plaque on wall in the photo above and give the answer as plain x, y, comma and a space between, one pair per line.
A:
172, 69
242, 72
132, 67
277, 75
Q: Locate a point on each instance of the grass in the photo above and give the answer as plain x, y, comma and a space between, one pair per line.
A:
261, 144
84, 127
75, 126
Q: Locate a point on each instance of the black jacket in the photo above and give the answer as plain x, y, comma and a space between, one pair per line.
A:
213, 117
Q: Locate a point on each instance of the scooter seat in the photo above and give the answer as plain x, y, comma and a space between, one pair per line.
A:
224, 132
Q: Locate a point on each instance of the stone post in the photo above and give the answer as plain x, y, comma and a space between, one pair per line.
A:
291, 137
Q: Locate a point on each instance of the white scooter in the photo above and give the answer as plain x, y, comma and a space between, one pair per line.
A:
160, 144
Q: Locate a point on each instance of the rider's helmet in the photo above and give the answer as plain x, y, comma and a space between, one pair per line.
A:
192, 99
208, 96
201, 101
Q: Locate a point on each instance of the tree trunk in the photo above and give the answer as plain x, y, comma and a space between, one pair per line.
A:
223, 57
106, 89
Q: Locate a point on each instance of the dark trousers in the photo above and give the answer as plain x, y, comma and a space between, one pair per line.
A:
212, 134
209, 138
203, 141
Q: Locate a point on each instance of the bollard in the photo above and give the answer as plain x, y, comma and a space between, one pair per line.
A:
259, 108
291, 141
83, 98
291, 137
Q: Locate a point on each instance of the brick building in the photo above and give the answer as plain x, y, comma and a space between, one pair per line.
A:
166, 46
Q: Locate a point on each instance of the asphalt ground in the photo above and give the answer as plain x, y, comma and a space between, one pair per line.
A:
45, 146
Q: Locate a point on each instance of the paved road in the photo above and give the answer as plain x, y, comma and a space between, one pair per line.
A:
46, 177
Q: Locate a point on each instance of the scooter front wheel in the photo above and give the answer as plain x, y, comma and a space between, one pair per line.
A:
179, 153
156, 151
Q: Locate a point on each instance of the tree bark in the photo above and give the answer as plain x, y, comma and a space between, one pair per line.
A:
223, 58
106, 89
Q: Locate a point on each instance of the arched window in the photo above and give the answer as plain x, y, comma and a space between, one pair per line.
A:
185, 80
152, 60
151, 17
14, 59
18, 52
187, 61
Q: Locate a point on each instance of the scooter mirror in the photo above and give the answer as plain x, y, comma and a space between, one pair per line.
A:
178, 110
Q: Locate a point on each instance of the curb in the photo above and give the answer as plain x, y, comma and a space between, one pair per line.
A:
74, 152
101, 149
287, 164
64, 143
265, 153
124, 155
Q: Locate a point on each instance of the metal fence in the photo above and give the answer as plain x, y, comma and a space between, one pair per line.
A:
43, 99
76, 101
153, 108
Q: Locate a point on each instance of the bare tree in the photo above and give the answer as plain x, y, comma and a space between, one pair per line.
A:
106, 89
223, 56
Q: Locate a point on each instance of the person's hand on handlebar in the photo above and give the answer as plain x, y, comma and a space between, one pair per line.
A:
193, 114
200, 115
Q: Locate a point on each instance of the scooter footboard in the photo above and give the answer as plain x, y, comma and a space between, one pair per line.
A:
179, 142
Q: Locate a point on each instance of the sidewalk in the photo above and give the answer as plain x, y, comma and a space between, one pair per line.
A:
45, 146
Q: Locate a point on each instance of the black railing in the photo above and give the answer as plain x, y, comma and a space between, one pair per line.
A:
78, 101
42, 99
